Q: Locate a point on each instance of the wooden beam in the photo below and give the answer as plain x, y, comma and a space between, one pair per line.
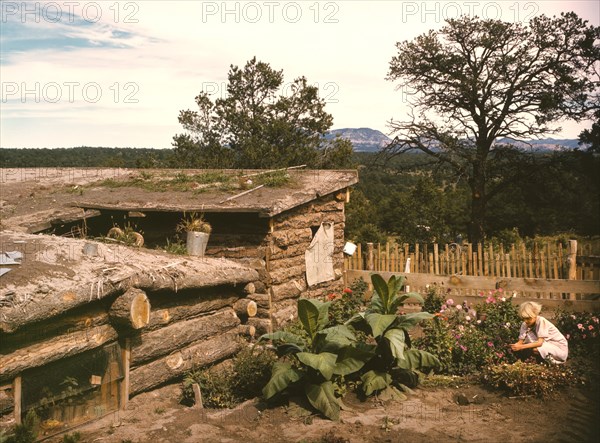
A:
126, 360
17, 398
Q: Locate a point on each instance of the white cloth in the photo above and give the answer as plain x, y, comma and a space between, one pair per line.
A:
555, 344
319, 256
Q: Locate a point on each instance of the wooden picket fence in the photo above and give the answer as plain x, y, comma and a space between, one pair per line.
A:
546, 261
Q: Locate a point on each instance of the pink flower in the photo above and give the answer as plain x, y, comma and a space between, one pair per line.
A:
568, 336
490, 344
464, 348
595, 319
490, 299
499, 354
584, 336
459, 307
449, 302
500, 290
580, 326
591, 328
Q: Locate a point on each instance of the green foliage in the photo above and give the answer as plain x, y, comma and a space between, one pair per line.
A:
255, 127
582, 331
194, 222
177, 247
316, 360
467, 338
25, 432
522, 378
346, 305
526, 79
225, 388
75, 437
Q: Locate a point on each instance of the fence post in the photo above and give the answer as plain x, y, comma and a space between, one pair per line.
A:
370, 260
572, 262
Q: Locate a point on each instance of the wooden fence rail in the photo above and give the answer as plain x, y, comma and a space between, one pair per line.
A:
554, 293
546, 261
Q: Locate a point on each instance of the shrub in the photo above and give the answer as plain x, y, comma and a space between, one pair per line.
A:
581, 331
249, 372
467, 338
522, 378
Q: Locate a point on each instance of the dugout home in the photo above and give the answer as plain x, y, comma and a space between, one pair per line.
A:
87, 321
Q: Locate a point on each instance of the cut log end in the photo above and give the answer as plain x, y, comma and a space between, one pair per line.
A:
131, 310
245, 308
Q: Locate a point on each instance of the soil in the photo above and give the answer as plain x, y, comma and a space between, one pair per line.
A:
429, 415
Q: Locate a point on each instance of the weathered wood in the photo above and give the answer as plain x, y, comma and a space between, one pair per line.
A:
130, 310
178, 363
17, 399
126, 360
260, 287
489, 283
283, 275
92, 316
197, 396
262, 301
160, 342
250, 288
245, 308
285, 263
284, 312
54, 349
261, 325
572, 262
246, 330
288, 237
289, 289
263, 313
193, 273
172, 309
304, 220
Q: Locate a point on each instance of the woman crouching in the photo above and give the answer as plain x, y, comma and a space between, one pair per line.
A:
539, 337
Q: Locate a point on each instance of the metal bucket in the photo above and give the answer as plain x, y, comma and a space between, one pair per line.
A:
196, 243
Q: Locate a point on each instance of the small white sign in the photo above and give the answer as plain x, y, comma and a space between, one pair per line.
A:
349, 248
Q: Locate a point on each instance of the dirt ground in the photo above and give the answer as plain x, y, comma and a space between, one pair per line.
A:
429, 415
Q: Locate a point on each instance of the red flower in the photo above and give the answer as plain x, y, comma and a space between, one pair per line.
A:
347, 290
331, 296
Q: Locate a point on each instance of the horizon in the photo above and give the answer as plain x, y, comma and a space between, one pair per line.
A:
117, 74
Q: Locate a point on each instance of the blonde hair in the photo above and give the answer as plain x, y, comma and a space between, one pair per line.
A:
529, 309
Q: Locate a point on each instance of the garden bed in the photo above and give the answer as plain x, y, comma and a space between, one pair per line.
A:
431, 414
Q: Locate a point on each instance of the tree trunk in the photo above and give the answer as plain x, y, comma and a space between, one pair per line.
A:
54, 349
177, 364
131, 310
478, 203
151, 345
245, 308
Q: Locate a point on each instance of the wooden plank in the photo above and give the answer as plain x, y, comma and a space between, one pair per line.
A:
470, 259
17, 391
436, 258
486, 283
126, 361
508, 269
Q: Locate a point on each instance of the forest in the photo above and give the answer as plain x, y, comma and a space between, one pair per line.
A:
411, 198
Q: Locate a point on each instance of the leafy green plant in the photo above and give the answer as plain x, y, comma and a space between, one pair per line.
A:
25, 432
315, 362
522, 378
395, 362
249, 372
346, 305
177, 247
75, 437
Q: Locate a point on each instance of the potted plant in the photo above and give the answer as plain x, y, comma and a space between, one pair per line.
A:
198, 231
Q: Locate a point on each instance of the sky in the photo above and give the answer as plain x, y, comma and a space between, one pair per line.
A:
117, 73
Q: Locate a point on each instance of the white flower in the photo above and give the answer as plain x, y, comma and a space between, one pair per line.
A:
508, 324
459, 307
503, 299
468, 318
478, 322
514, 294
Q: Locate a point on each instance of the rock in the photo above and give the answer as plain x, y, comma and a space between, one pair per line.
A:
462, 399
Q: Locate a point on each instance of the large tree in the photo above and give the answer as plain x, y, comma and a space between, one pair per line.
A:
261, 123
477, 83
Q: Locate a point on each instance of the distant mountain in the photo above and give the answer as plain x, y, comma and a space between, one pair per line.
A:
372, 140
545, 144
363, 139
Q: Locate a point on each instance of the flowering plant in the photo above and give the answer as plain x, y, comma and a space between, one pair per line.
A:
582, 331
466, 338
